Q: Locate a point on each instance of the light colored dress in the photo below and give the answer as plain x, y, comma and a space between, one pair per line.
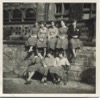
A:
52, 38
42, 38
58, 67
48, 64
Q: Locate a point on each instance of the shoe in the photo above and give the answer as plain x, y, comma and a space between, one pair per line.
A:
28, 82
58, 82
54, 81
65, 82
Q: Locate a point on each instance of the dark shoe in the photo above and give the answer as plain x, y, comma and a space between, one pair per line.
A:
54, 81
28, 82
65, 82
57, 82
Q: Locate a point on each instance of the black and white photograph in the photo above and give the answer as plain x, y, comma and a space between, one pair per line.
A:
49, 48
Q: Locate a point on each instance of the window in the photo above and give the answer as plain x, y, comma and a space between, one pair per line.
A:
58, 8
94, 6
16, 15
62, 11
66, 6
30, 14
5, 15
87, 5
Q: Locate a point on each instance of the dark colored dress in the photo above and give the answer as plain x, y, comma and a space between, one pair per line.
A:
37, 65
42, 38
52, 38
62, 41
32, 40
74, 42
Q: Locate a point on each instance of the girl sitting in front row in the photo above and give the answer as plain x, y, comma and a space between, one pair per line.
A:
61, 64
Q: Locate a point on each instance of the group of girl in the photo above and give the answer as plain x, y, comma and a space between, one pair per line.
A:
50, 46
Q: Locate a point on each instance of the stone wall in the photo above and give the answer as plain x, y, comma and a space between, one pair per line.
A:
13, 56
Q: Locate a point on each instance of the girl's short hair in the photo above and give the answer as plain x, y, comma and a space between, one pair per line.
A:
50, 52
44, 23
74, 20
61, 52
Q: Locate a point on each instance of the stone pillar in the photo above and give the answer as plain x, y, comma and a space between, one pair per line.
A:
23, 14
10, 14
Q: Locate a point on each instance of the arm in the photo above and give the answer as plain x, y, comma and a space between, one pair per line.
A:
67, 62
56, 33
48, 33
39, 34
44, 62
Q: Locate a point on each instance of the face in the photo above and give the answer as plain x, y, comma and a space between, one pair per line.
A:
49, 55
74, 23
62, 23
52, 24
42, 25
36, 24
60, 55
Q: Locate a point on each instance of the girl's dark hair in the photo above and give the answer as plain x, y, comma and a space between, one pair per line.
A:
50, 52
61, 52
74, 20
43, 23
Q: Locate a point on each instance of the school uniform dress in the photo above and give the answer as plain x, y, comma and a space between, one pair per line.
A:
37, 65
74, 42
32, 40
52, 38
48, 64
58, 68
42, 38
62, 41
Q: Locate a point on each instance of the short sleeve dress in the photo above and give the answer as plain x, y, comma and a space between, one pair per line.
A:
52, 35
62, 41
32, 40
42, 38
37, 66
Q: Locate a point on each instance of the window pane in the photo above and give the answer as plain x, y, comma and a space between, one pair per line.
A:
58, 8
17, 14
30, 13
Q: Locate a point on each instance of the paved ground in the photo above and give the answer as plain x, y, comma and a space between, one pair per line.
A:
16, 85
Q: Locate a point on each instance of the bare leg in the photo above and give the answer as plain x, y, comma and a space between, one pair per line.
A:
44, 52
31, 48
30, 75
74, 52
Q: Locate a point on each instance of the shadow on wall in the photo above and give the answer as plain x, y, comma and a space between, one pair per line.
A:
89, 74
